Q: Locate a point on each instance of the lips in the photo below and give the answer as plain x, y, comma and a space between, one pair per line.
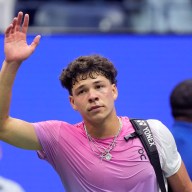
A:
93, 107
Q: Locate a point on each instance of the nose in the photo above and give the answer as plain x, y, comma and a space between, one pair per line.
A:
92, 97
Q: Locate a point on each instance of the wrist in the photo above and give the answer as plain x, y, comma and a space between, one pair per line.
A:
10, 67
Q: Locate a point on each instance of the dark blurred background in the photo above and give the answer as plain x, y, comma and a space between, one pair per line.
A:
132, 16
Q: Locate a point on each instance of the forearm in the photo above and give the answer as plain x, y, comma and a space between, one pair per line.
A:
16, 50
7, 77
180, 181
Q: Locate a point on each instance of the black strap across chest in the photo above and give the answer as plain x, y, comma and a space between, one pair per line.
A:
143, 132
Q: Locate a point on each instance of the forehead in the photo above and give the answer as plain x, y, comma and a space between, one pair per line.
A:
89, 80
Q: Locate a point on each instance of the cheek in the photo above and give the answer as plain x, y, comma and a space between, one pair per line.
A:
110, 95
109, 99
80, 103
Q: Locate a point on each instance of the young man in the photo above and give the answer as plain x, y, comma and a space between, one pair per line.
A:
181, 106
91, 155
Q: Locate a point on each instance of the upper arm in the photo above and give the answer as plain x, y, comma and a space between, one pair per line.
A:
20, 134
171, 163
180, 181
166, 146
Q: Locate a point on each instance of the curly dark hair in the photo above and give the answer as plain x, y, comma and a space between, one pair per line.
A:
181, 99
87, 66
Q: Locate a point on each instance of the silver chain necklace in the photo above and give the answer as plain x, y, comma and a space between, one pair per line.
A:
104, 153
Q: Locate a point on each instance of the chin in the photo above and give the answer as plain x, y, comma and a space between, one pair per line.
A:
99, 117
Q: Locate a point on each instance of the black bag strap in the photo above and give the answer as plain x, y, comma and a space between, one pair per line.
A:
143, 131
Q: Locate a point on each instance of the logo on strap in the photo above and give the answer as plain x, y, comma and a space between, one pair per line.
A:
147, 132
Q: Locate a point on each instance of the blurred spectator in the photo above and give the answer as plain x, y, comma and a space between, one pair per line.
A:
104, 14
7, 10
92, 15
8, 185
181, 105
159, 16
165, 16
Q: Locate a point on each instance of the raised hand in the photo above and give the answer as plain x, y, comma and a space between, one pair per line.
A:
15, 43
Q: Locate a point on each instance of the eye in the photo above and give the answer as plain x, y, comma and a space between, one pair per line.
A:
80, 92
99, 86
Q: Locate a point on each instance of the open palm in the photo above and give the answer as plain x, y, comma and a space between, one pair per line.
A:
15, 44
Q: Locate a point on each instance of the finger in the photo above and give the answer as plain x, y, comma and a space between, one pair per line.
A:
13, 25
35, 42
10, 27
8, 30
25, 23
19, 21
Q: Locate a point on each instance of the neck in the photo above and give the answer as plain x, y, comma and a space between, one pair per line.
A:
104, 129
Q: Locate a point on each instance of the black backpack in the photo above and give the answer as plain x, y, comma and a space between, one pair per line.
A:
143, 131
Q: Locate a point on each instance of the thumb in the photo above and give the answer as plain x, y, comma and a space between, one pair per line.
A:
35, 42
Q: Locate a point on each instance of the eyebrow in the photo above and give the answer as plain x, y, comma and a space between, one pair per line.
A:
82, 86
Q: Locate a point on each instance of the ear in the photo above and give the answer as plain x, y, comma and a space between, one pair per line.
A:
114, 91
72, 102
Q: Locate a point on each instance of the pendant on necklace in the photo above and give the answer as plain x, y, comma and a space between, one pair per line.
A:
108, 156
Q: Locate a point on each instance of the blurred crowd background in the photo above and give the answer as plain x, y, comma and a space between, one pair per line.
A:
133, 16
